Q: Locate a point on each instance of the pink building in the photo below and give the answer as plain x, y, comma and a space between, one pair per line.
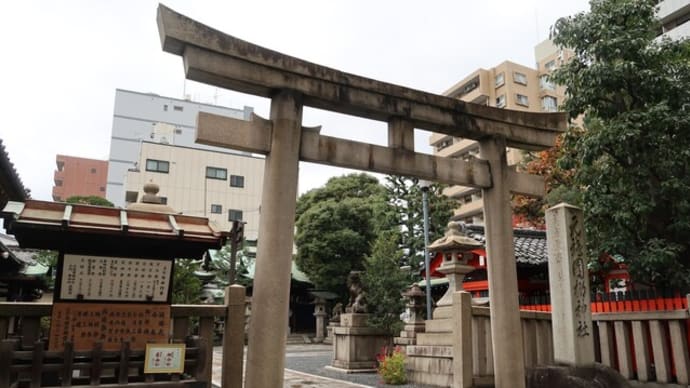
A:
79, 176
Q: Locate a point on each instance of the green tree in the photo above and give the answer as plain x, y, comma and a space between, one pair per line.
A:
632, 159
89, 200
49, 259
186, 286
405, 197
384, 281
336, 225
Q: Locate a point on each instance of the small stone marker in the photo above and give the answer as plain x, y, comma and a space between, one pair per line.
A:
571, 315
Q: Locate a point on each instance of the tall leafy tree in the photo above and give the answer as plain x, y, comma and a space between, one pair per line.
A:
336, 225
405, 197
632, 160
384, 281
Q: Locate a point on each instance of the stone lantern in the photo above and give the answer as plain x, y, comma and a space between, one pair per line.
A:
413, 321
456, 248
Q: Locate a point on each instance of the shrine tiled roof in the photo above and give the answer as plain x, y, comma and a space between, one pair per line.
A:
11, 186
530, 245
58, 225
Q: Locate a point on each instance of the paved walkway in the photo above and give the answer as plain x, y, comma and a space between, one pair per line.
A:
305, 368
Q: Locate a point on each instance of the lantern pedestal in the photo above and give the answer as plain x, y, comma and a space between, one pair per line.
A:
355, 344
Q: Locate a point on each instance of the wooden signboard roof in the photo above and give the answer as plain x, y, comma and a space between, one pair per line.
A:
77, 228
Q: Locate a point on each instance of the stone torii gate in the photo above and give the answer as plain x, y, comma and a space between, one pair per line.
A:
215, 58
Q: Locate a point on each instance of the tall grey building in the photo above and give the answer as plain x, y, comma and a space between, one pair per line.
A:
140, 117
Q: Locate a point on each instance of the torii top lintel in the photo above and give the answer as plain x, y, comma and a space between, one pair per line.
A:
215, 58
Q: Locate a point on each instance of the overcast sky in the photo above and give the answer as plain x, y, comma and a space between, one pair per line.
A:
62, 61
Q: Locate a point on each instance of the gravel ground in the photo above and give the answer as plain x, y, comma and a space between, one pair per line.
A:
313, 359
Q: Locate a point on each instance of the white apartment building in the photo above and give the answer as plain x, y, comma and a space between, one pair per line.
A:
675, 18
140, 117
507, 85
222, 186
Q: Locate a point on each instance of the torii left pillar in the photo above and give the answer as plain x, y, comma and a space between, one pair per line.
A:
270, 300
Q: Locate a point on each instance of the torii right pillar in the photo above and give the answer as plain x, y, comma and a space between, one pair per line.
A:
506, 329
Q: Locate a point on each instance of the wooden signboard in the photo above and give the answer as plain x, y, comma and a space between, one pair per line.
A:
97, 278
112, 323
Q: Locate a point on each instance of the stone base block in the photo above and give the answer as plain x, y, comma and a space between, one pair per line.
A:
355, 348
353, 320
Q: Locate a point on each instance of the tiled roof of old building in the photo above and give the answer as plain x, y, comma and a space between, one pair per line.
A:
11, 186
530, 245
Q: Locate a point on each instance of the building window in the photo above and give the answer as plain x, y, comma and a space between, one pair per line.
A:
216, 173
157, 166
58, 183
521, 99
93, 170
216, 209
178, 131
550, 65
500, 79
444, 144
549, 104
131, 196
164, 200
165, 107
236, 181
501, 101
178, 108
468, 87
545, 83
234, 215
519, 78
101, 189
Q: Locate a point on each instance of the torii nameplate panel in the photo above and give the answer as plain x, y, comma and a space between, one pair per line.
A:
215, 58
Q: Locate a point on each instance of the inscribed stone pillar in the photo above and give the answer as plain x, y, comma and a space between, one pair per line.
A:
506, 330
571, 315
269, 322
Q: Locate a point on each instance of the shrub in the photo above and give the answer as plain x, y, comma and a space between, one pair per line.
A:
392, 366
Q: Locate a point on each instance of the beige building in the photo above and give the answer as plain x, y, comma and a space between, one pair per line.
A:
218, 185
508, 85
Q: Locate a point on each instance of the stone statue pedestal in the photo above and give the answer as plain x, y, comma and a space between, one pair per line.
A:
355, 345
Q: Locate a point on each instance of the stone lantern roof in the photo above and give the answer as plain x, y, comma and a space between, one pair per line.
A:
455, 239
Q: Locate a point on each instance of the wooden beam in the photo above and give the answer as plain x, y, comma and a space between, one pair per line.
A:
213, 57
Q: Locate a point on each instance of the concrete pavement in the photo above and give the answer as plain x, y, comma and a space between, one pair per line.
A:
305, 368
293, 378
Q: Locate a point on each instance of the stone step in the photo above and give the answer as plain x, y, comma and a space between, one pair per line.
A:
443, 325
439, 380
295, 339
429, 364
444, 339
429, 351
